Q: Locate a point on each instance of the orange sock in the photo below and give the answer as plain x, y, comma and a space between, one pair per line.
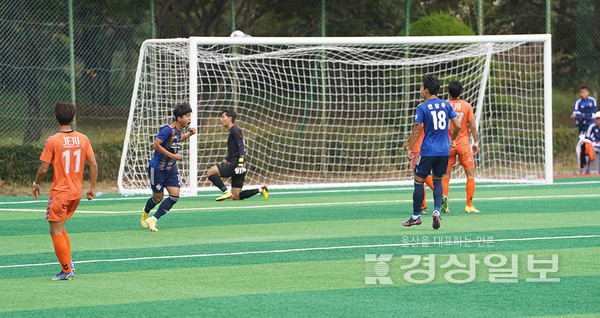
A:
62, 252
429, 181
446, 185
424, 204
68, 241
589, 150
470, 191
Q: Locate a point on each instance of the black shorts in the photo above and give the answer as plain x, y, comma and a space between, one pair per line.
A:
228, 170
435, 165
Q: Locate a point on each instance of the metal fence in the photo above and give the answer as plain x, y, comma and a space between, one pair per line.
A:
43, 60
86, 51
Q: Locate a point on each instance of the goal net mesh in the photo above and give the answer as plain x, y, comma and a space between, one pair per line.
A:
336, 114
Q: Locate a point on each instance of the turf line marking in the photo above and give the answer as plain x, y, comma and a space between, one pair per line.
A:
321, 204
217, 194
321, 191
302, 250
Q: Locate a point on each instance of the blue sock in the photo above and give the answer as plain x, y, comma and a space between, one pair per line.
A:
418, 196
165, 206
150, 204
438, 193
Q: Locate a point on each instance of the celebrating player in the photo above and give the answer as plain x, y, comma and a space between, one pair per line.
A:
162, 169
67, 151
433, 116
462, 148
234, 165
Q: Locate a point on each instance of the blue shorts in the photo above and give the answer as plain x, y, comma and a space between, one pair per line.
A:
435, 165
160, 179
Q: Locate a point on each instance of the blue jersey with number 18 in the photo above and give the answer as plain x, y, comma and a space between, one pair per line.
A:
434, 115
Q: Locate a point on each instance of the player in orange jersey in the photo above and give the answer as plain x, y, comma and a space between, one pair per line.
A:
67, 151
463, 148
416, 151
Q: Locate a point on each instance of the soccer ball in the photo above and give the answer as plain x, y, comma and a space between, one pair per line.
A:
239, 34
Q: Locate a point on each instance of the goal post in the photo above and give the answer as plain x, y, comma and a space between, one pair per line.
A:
336, 111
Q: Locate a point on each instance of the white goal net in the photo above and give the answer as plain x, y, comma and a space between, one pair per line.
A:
336, 111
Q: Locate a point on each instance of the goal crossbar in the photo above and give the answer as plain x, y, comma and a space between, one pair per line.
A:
286, 90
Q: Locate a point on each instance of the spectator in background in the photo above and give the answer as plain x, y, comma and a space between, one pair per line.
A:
584, 109
588, 146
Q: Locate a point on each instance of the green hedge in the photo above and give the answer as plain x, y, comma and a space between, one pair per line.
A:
20, 163
564, 140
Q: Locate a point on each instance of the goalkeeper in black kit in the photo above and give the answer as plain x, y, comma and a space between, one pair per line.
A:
234, 165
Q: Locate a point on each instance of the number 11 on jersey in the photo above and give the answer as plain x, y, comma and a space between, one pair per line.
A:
67, 155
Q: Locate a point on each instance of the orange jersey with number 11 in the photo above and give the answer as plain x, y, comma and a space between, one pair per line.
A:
67, 152
465, 114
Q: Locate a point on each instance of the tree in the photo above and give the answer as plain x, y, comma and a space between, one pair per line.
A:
29, 49
180, 18
100, 35
439, 24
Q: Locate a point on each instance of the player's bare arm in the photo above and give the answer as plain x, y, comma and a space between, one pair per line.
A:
412, 139
93, 177
457, 127
158, 147
188, 134
473, 129
39, 177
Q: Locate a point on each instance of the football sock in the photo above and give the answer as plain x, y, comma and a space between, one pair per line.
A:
438, 192
165, 206
582, 160
424, 204
62, 252
446, 185
429, 182
470, 190
418, 196
218, 182
68, 241
150, 204
248, 193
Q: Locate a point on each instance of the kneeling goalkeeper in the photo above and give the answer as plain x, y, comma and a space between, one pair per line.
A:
234, 165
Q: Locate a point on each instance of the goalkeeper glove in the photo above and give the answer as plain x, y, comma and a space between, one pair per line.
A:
241, 168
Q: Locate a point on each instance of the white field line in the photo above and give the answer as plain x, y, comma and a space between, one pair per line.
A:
293, 205
405, 188
304, 250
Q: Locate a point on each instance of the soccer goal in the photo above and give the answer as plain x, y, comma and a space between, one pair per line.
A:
336, 111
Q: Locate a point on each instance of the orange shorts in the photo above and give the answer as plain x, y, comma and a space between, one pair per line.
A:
59, 210
413, 160
465, 157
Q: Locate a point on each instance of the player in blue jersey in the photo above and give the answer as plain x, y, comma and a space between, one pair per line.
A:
433, 116
162, 169
234, 165
584, 109
588, 146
